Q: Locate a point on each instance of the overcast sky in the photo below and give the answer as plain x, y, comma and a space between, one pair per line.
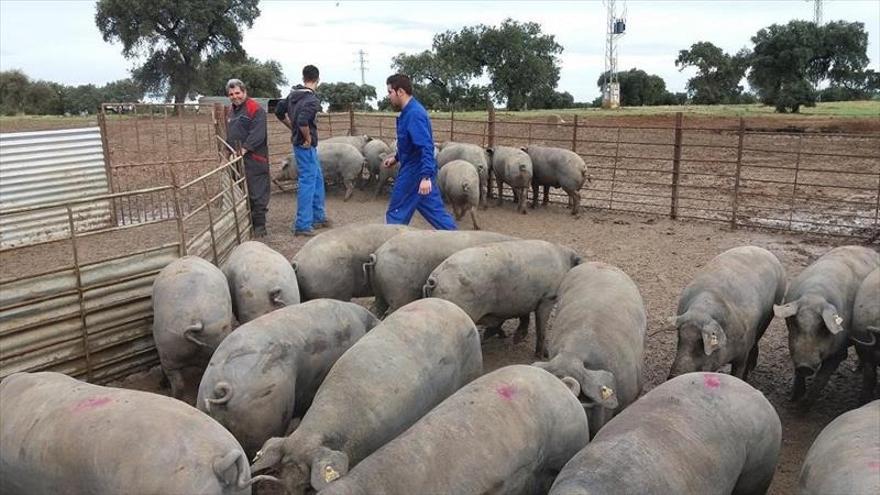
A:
58, 40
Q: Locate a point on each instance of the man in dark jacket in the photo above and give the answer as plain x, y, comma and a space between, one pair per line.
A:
246, 133
415, 187
298, 112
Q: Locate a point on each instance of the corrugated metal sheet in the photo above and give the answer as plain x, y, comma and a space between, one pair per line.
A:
47, 167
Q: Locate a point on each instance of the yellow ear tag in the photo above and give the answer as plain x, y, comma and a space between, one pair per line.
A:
714, 339
606, 392
330, 474
838, 319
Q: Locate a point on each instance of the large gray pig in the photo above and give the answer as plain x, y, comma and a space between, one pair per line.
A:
704, 433
374, 151
61, 435
358, 142
507, 432
192, 313
866, 330
599, 339
514, 167
267, 371
260, 279
557, 167
845, 457
385, 173
818, 312
390, 378
497, 282
725, 310
330, 265
473, 154
341, 161
398, 270
460, 185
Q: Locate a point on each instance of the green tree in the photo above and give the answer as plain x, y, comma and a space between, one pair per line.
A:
14, 85
343, 95
519, 59
718, 74
263, 79
789, 60
548, 98
638, 88
44, 98
83, 99
174, 36
123, 90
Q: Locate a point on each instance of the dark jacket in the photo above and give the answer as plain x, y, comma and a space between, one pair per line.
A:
415, 142
301, 106
246, 128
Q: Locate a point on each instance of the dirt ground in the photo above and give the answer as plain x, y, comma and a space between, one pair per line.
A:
661, 255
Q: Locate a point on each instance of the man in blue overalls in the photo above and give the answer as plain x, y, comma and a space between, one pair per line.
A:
414, 188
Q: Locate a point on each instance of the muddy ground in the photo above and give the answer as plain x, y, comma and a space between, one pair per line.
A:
661, 255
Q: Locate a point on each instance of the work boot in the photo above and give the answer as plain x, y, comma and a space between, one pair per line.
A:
260, 231
326, 224
304, 233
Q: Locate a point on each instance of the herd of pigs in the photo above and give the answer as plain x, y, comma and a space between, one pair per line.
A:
319, 394
466, 171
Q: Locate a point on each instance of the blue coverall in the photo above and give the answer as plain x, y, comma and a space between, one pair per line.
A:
415, 152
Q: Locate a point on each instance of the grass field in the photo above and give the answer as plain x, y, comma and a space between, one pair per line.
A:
22, 123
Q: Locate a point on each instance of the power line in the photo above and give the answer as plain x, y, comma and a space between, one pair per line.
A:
362, 63
615, 27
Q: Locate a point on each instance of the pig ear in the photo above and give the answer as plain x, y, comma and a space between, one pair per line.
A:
524, 148
573, 385
269, 455
714, 337
599, 386
785, 310
328, 466
490, 151
832, 319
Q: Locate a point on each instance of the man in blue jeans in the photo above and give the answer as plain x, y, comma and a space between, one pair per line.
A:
302, 107
414, 188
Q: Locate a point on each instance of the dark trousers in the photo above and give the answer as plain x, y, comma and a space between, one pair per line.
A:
257, 177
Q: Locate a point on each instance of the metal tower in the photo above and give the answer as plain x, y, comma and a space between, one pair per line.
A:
362, 62
615, 27
817, 12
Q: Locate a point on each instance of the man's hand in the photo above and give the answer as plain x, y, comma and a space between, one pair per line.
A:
307, 143
389, 161
425, 187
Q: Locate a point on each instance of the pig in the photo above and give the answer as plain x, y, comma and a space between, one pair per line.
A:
382, 385
260, 279
343, 162
330, 265
705, 433
267, 371
359, 142
373, 152
725, 310
385, 173
61, 435
398, 270
460, 185
865, 330
845, 457
192, 313
557, 167
818, 312
599, 339
513, 166
473, 154
536, 425
496, 282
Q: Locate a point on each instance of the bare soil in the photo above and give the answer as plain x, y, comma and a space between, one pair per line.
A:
661, 255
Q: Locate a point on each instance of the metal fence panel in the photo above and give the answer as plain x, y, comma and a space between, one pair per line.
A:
47, 167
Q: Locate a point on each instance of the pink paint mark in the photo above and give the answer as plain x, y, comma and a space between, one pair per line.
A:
506, 391
711, 381
91, 403
874, 465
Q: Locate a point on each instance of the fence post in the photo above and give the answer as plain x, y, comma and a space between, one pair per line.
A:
329, 123
739, 155
491, 122
218, 117
797, 169
676, 165
452, 125
79, 289
574, 135
351, 120
178, 213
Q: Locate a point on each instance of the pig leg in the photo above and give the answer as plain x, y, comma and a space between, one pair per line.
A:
483, 199
574, 201
869, 375
489, 175
522, 330
738, 368
177, 383
542, 318
534, 195
546, 196
349, 189
379, 307
825, 371
473, 211
752, 361
500, 189
799, 388
522, 200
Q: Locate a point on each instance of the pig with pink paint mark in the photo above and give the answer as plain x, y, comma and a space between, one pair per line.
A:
845, 457
705, 433
417, 357
61, 435
507, 432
